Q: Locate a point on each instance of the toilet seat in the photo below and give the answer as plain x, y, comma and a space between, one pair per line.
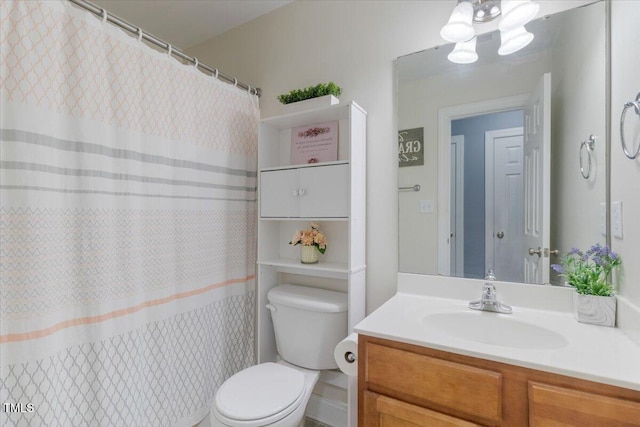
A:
259, 395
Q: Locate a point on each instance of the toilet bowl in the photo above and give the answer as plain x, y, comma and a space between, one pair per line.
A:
308, 324
273, 394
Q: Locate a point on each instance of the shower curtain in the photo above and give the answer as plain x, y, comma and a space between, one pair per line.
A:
127, 226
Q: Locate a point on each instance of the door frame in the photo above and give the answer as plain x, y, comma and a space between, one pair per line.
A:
445, 117
458, 140
489, 185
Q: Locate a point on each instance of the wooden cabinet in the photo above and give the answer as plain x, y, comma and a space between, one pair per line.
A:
291, 196
305, 192
550, 406
406, 385
388, 412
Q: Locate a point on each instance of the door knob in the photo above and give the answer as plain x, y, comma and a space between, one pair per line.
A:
500, 234
535, 251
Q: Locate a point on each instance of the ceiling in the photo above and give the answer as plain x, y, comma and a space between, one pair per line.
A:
186, 23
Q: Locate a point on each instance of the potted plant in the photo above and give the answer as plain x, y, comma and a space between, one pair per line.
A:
313, 241
588, 272
322, 94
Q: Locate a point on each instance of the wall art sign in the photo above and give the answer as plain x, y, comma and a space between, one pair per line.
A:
315, 143
411, 147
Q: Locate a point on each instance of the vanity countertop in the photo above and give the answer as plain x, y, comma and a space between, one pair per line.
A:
594, 353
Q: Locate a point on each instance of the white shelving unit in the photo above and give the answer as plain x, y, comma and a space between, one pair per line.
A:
333, 196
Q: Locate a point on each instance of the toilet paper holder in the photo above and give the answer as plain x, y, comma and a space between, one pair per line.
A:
350, 357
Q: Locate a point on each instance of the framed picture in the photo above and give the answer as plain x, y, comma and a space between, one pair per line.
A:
315, 143
411, 147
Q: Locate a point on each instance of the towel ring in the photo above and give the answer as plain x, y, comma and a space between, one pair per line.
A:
636, 107
588, 146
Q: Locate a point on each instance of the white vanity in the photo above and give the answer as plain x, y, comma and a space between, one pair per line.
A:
425, 358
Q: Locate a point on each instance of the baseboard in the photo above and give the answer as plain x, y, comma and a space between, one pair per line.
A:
327, 411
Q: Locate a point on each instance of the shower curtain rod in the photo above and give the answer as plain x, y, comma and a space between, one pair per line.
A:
162, 44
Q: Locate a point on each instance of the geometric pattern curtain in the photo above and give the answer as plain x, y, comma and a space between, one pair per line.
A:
127, 226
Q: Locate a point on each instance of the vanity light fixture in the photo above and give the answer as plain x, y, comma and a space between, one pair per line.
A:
513, 35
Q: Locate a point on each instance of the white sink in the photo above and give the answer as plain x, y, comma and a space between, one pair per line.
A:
494, 329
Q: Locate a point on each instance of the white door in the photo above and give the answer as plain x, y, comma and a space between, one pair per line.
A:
311, 192
456, 236
504, 203
324, 191
537, 164
278, 194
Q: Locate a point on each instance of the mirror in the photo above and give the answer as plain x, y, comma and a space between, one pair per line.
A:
501, 152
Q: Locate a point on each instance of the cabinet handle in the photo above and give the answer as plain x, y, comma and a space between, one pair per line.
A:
301, 192
295, 193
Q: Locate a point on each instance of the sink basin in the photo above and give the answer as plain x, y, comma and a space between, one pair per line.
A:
494, 329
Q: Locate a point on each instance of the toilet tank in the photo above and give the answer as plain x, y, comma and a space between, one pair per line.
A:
308, 323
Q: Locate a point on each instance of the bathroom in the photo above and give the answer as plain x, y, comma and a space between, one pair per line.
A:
356, 44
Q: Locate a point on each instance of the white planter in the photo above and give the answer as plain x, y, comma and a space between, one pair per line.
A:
309, 254
595, 310
310, 104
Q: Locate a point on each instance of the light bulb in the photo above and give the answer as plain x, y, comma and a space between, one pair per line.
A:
464, 53
460, 27
516, 13
514, 40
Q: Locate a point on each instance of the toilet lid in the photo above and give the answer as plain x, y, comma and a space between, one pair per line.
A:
259, 392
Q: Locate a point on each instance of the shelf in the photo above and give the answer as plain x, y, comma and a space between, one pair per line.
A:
336, 270
304, 165
324, 114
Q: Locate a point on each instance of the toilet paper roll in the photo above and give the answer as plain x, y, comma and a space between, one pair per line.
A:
346, 355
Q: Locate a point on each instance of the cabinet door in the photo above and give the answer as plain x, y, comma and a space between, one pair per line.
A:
279, 193
324, 191
558, 406
384, 411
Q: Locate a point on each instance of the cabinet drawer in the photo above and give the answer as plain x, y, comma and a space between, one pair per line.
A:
395, 413
465, 389
555, 406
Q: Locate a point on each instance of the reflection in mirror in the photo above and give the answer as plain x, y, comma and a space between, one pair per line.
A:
501, 183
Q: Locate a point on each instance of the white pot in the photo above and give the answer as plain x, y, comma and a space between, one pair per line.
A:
310, 104
309, 254
595, 310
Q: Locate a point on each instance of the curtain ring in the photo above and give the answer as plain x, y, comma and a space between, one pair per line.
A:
139, 34
195, 62
169, 49
235, 82
249, 89
104, 15
215, 75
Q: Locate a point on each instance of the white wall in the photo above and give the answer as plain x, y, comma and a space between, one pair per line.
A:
625, 173
354, 44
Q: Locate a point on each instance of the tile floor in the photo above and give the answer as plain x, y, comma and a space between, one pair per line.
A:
308, 422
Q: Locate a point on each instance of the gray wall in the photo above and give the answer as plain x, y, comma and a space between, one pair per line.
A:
473, 129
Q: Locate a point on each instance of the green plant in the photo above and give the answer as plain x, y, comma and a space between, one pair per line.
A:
320, 89
589, 271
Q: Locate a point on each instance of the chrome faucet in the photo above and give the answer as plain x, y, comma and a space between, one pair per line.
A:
489, 301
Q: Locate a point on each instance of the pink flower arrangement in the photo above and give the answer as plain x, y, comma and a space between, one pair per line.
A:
310, 237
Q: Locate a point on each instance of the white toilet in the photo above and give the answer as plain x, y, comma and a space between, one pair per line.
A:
308, 323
